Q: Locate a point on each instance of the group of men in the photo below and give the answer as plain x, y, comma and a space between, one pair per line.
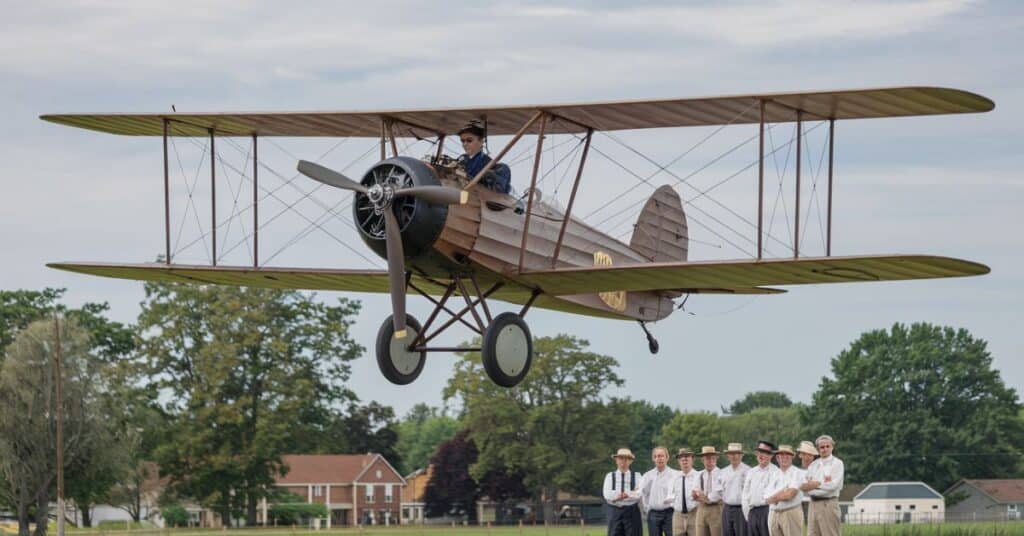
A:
736, 500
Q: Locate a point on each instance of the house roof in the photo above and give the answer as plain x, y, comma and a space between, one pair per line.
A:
898, 490
324, 468
850, 491
1002, 490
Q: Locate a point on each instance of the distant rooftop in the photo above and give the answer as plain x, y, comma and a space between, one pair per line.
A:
1003, 490
898, 490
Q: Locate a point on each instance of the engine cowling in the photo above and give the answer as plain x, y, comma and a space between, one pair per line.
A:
420, 222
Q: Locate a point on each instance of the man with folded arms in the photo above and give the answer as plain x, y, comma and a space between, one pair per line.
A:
709, 494
733, 521
807, 453
823, 483
755, 487
656, 494
684, 488
784, 497
622, 493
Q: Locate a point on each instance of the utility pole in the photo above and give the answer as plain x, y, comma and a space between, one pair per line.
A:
60, 427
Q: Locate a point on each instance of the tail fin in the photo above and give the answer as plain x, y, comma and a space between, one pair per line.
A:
660, 233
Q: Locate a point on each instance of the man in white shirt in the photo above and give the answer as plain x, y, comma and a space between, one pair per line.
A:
807, 453
656, 494
733, 520
784, 496
684, 489
755, 486
709, 493
823, 483
622, 493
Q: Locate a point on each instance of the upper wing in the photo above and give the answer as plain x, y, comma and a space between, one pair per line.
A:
568, 118
749, 273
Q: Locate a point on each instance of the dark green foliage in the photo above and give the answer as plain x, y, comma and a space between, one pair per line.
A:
174, 515
295, 513
759, 399
919, 403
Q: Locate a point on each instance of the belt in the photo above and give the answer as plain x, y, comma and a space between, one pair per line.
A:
734, 505
623, 507
665, 510
711, 504
817, 499
787, 509
759, 507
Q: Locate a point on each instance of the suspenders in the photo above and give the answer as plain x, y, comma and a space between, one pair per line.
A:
632, 479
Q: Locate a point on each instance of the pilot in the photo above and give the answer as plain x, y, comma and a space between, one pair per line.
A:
499, 178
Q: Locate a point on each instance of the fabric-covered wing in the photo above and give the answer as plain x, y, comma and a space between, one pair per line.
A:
568, 118
749, 273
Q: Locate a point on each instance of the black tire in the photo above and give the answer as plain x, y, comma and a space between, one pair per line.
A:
399, 369
507, 349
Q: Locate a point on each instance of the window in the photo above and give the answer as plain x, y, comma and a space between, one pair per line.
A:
318, 491
379, 474
899, 507
1011, 508
369, 493
913, 507
935, 507
388, 493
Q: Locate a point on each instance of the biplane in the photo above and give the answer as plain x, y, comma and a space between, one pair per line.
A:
448, 238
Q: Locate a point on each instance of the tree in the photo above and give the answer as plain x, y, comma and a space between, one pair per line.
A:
553, 428
778, 425
451, 489
245, 373
759, 399
28, 417
692, 430
419, 434
918, 403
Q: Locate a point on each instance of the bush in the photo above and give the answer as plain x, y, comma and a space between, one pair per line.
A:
175, 515
295, 513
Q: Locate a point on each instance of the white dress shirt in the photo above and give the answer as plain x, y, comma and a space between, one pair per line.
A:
829, 471
732, 481
622, 481
756, 485
681, 494
712, 485
791, 478
656, 489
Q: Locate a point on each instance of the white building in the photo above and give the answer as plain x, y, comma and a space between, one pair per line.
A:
897, 502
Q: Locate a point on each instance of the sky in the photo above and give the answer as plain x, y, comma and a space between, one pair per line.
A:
948, 185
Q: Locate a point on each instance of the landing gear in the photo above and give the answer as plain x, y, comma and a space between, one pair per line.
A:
652, 343
397, 362
507, 349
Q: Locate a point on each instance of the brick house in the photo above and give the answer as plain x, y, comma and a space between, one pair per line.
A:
357, 488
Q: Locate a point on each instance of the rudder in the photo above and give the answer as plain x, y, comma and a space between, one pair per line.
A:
660, 233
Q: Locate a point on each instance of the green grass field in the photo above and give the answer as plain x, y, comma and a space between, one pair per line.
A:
941, 529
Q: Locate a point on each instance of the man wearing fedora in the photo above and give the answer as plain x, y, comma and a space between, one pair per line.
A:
755, 487
734, 523
823, 483
709, 493
807, 453
622, 493
784, 497
685, 515
656, 494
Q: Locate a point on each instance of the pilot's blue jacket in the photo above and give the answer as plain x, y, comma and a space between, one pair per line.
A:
500, 177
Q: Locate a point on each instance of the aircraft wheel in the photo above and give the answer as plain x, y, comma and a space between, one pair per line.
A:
399, 364
507, 349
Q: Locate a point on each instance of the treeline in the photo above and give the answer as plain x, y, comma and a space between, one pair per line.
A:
212, 385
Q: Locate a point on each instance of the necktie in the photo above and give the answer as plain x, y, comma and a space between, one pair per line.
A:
623, 480
685, 509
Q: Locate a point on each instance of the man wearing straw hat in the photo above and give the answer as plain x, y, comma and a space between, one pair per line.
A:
807, 453
656, 494
622, 493
784, 497
823, 483
684, 519
709, 493
755, 487
733, 521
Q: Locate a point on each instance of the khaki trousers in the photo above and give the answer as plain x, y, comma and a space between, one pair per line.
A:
709, 520
684, 524
823, 518
788, 522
